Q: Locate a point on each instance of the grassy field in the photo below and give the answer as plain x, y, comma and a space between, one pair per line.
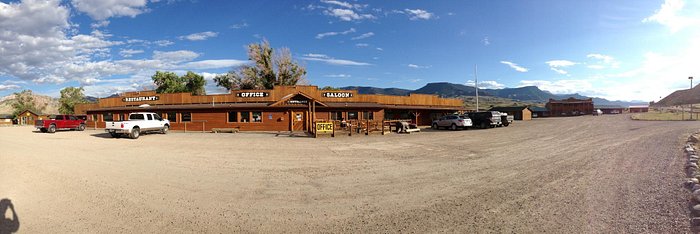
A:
663, 116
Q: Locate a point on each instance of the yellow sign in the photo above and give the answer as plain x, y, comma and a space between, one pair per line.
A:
324, 127
27, 113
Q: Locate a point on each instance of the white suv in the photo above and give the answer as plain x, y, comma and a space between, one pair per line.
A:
453, 122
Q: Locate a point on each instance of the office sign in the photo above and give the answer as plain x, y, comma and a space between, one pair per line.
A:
337, 94
252, 94
140, 99
324, 127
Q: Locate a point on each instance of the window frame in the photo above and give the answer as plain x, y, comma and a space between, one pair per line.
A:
182, 117
228, 117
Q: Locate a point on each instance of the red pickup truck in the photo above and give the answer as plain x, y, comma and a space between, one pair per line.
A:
55, 122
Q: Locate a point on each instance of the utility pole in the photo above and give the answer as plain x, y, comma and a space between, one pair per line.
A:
691, 104
476, 86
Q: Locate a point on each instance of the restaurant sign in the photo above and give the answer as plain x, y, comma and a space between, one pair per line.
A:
337, 94
140, 99
252, 94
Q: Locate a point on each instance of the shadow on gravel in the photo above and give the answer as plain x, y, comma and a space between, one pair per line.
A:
8, 225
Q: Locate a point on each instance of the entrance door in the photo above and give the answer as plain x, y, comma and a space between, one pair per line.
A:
298, 120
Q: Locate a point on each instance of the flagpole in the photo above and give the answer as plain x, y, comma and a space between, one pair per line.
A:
476, 86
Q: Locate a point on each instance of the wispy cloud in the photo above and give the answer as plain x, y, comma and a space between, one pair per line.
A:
332, 61
673, 15
8, 87
419, 14
560, 86
515, 66
199, 36
487, 84
486, 41
338, 76
411, 65
239, 25
361, 45
126, 53
347, 14
328, 34
363, 36
603, 61
558, 65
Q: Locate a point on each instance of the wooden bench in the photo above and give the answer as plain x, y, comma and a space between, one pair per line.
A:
224, 130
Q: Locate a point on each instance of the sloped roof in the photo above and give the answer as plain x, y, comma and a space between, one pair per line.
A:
509, 108
608, 107
538, 109
6, 116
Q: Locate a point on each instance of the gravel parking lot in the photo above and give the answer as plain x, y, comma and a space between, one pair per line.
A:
604, 174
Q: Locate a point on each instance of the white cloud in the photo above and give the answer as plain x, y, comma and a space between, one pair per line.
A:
557, 65
332, 61
673, 15
417, 66
199, 36
338, 3
103, 9
163, 43
338, 76
380, 49
347, 14
8, 87
419, 14
515, 66
486, 41
560, 86
363, 36
126, 53
604, 61
361, 45
327, 34
239, 26
175, 56
213, 64
487, 84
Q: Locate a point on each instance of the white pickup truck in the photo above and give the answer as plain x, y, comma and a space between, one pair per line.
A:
138, 122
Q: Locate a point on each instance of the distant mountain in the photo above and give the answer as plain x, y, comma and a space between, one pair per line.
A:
373, 90
91, 99
445, 89
39, 100
524, 94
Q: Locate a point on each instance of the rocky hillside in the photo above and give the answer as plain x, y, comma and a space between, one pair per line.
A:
681, 97
39, 100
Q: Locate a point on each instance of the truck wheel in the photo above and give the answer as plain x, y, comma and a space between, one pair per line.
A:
135, 133
52, 128
43, 130
435, 126
453, 127
81, 127
165, 129
506, 124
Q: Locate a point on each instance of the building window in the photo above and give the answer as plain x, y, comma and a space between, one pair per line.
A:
172, 117
368, 115
186, 117
107, 117
245, 117
257, 117
232, 116
352, 115
336, 115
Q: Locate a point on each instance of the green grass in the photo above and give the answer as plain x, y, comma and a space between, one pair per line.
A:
663, 116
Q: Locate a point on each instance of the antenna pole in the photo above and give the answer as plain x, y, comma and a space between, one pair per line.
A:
476, 86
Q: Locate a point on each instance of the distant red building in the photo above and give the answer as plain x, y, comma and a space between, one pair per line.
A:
639, 109
570, 107
610, 109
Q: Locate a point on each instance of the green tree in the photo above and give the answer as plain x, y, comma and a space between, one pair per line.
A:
69, 97
329, 88
195, 83
266, 70
169, 82
25, 101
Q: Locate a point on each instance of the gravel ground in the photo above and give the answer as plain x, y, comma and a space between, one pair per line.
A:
588, 174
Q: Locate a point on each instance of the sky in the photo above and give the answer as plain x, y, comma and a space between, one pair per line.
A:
619, 50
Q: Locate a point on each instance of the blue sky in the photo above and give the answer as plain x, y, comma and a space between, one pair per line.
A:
621, 50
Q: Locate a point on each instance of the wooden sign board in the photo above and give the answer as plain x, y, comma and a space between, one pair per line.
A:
324, 127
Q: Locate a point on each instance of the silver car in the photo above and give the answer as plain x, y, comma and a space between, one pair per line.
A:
453, 122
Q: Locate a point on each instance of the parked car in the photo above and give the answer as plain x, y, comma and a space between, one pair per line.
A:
485, 119
59, 122
506, 119
138, 123
598, 112
453, 122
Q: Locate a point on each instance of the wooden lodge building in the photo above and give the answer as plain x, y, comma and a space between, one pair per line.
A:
570, 107
284, 108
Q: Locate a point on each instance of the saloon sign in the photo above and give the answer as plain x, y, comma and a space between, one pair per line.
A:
140, 99
252, 94
337, 94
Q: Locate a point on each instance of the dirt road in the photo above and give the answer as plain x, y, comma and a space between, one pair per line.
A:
589, 174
